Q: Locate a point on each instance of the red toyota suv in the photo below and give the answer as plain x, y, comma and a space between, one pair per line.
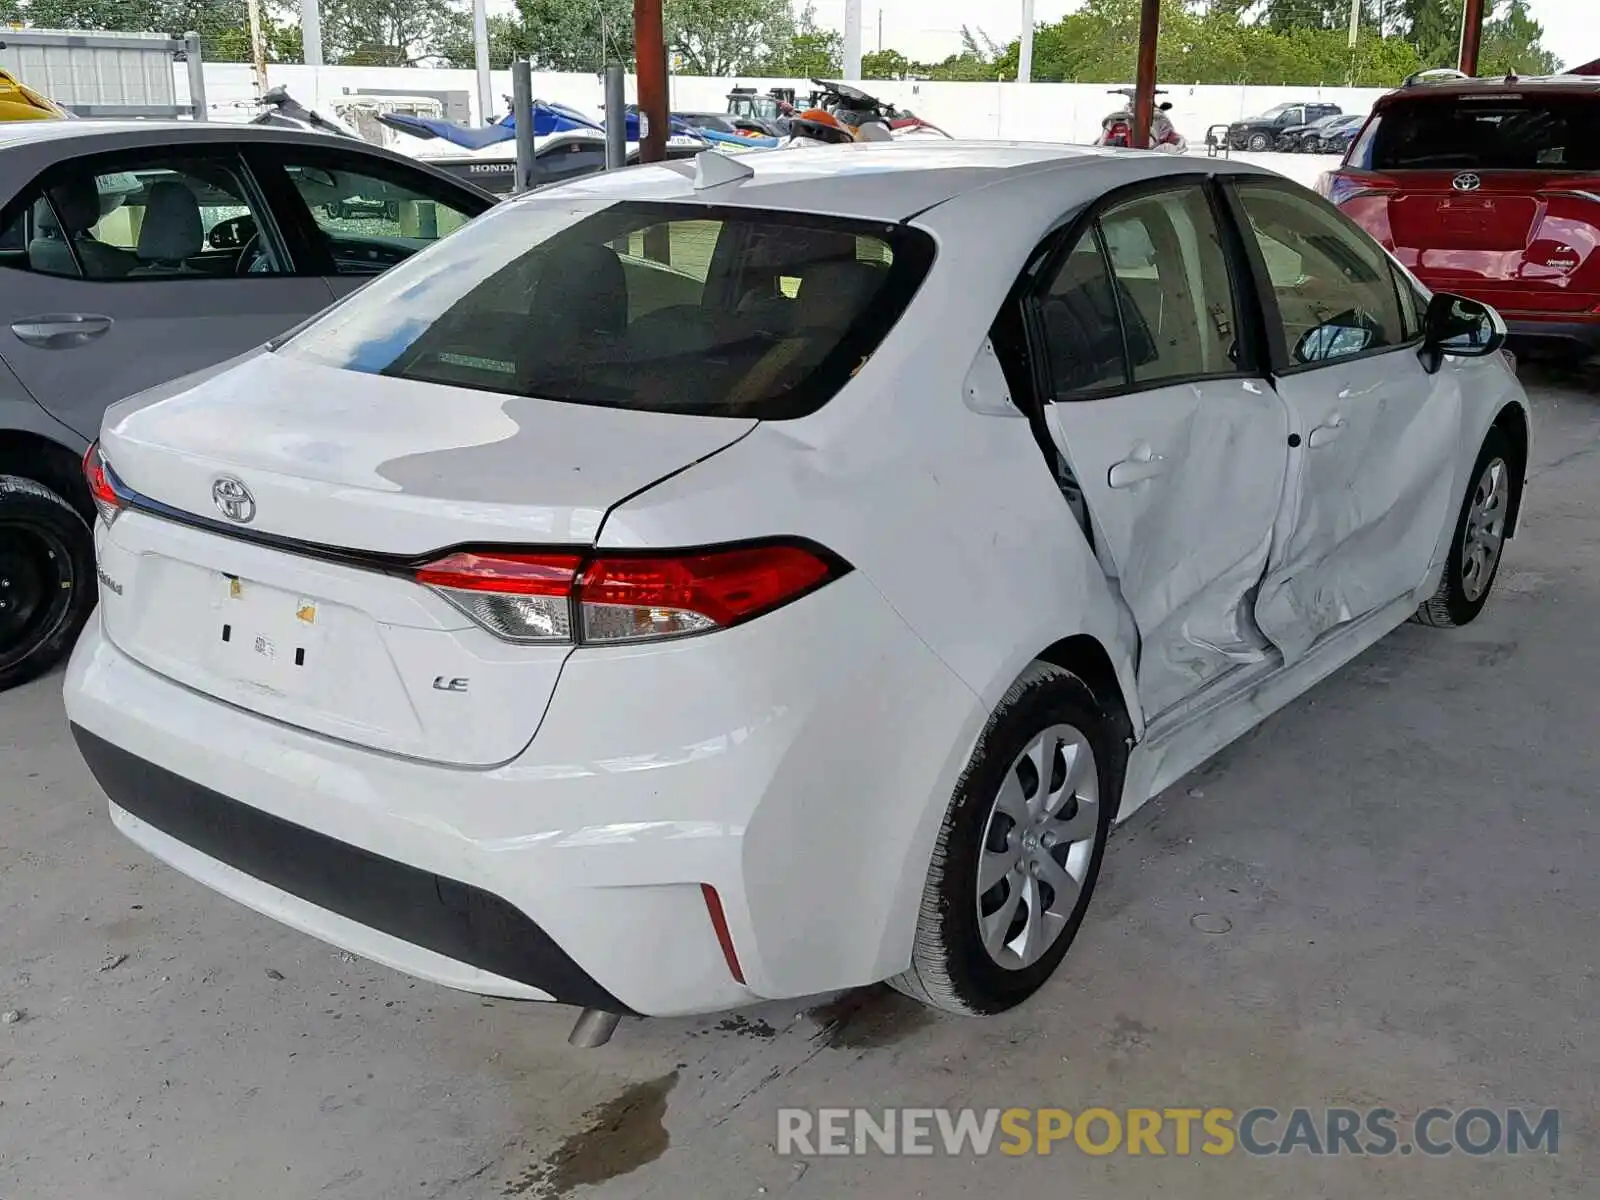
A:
1489, 188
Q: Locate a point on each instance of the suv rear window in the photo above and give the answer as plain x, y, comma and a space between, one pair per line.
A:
1489, 133
658, 307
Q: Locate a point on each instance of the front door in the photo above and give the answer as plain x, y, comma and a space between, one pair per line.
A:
138, 268
1176, 442
1374, 436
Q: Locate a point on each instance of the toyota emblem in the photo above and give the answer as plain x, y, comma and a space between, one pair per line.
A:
234, 499
1466, 183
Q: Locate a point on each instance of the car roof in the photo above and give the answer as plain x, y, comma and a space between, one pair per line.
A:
884, 181
110, 134
1508, 85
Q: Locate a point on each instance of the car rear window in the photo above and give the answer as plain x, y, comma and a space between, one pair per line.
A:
1487, 133
658, 307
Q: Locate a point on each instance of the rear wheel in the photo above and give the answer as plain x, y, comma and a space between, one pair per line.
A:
1479, 538
1020, 848
47, 587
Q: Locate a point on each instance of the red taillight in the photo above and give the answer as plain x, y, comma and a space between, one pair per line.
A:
1340, 188
101, 489
625, 597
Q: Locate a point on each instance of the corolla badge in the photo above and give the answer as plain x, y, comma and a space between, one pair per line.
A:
1466, 183
234, 499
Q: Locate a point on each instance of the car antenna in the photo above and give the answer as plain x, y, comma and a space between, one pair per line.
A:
713, 169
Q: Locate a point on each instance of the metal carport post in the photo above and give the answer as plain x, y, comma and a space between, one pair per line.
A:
650, 49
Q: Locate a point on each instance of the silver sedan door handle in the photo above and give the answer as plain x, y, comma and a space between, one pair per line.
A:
61, 331
1136, 468
1323, 434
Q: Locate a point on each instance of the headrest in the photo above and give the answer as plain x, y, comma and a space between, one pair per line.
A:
582, 288
77, 203
172, 230
834, 293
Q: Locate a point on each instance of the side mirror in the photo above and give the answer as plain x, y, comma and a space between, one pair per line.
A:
1460, 328
1344, 336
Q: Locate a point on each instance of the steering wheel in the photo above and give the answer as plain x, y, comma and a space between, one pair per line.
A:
252, 259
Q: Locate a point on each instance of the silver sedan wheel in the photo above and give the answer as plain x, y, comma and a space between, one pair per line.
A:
1037, 847
1484, 536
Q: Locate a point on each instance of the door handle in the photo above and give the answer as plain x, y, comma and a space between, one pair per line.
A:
61, 331
1323, 434
1136, 468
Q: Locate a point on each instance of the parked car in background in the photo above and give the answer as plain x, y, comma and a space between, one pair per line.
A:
688, 588
1261, 132
133, 252
1335, 136
1297, 139
1489, 188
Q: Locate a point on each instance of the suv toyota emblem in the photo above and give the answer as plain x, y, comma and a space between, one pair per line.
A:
234, 499
1466, 183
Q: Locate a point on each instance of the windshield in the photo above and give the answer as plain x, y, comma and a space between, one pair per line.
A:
1489, 133
659, 307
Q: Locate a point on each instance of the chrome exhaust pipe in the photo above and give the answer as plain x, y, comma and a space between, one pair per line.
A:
594, 1027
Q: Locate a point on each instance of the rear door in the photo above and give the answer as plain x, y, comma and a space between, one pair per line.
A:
1176, 441
139, 267
1372, 435
359, 214
1494, 196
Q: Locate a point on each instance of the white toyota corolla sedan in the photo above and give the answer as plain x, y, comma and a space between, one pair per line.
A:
743, 579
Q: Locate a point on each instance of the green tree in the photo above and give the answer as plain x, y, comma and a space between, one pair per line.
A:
727, 37
889, 64
384, 33
1512, 44
575, 35
507, 41
810, 53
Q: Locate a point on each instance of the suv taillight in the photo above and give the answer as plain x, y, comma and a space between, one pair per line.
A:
555, 597
102, 486
1339, 189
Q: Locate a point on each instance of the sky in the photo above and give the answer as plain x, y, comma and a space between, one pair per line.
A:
931, 29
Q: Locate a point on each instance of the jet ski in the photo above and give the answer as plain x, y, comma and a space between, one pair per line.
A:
283, 111
856, 110
567, 143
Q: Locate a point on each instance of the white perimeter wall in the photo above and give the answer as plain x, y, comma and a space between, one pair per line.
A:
1057, 112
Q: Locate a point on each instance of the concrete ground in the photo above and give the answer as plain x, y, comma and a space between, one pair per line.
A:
1384, 897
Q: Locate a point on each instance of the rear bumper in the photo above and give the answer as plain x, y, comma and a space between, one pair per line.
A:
805, 786
1567, 333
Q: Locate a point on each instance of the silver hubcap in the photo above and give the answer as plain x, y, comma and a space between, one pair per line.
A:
1485, 533
1037, 846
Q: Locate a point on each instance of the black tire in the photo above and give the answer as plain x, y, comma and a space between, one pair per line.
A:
1258, 142
1453, 604
950, 968
47, 579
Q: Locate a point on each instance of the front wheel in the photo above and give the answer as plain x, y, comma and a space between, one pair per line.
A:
1479, 538
47, 584
1259, 142
1020, 848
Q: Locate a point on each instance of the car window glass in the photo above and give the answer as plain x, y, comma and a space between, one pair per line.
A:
370, 223
1173, 286
168, 218
1515, 133
1411, 306
650, 307
1334, 289
1080, 325
14, 240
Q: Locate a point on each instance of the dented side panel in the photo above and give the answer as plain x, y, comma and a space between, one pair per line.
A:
1184, 485
1371, 484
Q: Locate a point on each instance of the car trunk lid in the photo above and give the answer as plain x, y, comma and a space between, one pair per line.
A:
294, 595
